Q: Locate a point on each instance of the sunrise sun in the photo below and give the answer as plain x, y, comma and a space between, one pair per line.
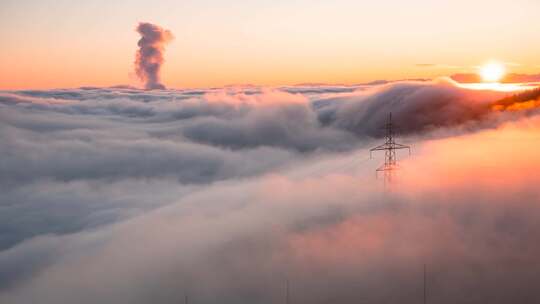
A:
492, 72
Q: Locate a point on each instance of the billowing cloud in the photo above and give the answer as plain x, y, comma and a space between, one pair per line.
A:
117, 195
150, 56
417, 106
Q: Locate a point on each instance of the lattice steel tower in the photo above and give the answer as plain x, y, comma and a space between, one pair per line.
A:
389, 148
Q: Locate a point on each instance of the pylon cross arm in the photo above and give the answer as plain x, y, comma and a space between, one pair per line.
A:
378, 148
400, 146
387, 168
383, 147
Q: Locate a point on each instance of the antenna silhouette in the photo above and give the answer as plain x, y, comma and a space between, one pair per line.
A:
389, 148
425, 283
287, 292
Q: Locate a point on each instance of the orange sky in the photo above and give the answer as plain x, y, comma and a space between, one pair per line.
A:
49, 44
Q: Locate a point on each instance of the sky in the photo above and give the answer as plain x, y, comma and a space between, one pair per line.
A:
52, 44
132, 172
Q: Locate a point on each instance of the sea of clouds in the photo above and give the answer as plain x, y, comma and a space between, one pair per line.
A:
120, 195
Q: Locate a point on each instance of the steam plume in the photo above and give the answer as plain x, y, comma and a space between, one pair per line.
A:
149, 56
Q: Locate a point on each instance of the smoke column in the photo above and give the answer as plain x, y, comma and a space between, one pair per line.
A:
149, 56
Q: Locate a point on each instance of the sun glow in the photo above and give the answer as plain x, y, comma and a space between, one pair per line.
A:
492, 72
498, 87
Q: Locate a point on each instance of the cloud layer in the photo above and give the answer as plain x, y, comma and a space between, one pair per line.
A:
116, 195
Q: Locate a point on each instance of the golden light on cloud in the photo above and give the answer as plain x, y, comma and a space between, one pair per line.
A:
492, 72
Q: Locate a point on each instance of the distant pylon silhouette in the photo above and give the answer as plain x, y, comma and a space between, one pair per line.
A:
389, 148
425, 298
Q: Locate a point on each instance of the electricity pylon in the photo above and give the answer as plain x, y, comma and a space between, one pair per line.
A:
389, 148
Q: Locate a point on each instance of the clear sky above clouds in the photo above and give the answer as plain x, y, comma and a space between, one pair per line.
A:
73, 43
